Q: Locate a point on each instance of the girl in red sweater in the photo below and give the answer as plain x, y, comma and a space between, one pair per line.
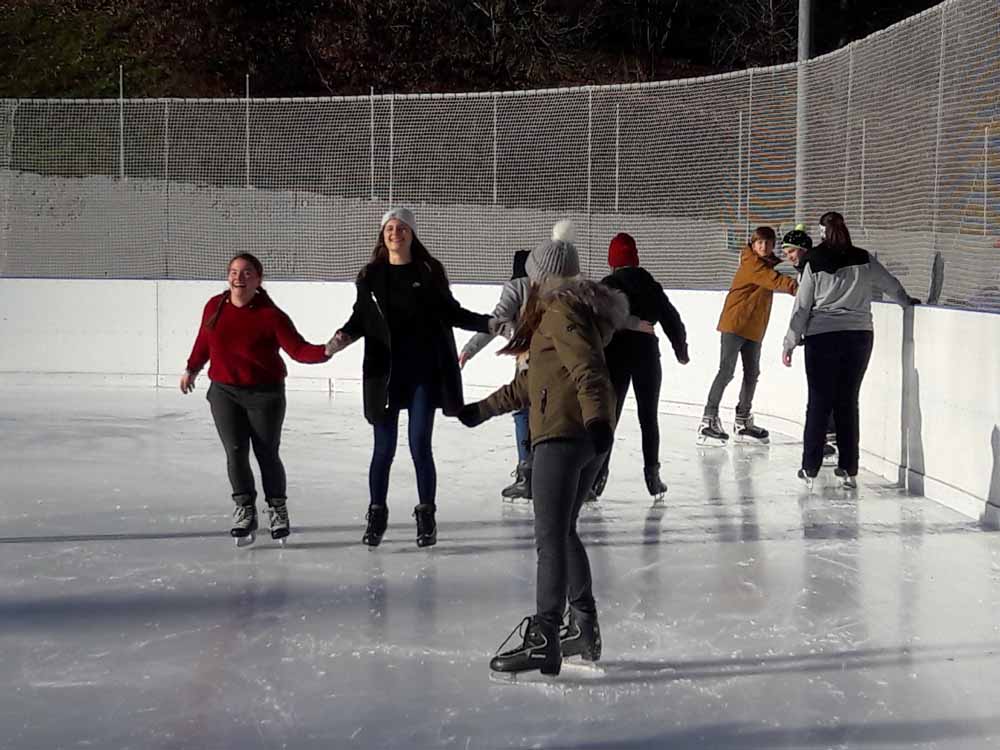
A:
240, 333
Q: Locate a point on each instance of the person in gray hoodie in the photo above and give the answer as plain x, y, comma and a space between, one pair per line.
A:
832, 312
507, 313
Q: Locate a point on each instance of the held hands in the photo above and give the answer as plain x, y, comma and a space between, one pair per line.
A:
471, 415
601, 435
646, 327
786, 358
494, 326
187, 381
339, 341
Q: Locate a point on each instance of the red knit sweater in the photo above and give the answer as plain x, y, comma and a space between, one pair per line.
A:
243, 343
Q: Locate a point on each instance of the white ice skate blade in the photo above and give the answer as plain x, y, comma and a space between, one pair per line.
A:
709, 442
747, 440
281, 541
516, 500
246, 541
532, 677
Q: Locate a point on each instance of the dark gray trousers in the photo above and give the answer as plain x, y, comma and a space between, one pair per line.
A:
246, 417
563, 473
732, 347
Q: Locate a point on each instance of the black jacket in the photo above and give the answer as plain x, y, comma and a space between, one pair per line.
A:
368, 320
648, 301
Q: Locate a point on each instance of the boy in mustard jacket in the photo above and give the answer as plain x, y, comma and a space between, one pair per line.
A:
743, 322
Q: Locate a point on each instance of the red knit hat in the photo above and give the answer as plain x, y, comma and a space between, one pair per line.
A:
622, 251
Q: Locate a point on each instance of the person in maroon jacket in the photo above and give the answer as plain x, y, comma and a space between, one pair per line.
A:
240, 333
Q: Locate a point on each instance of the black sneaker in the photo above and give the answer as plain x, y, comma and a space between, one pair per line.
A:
539, 649
580, 636
378, 519
427, 532
521, 487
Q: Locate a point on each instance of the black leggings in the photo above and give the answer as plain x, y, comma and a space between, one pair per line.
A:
835, 367
563, 472
245, 417
633, 358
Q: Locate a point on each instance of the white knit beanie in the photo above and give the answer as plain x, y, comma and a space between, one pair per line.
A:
401, 213
555, 257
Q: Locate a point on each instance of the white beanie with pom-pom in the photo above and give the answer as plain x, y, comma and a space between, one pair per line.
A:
555, 257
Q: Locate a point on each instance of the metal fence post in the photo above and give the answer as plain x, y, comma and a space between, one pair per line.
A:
494, 148
739, 169
371, 107
937, 137
246, 132
986, 176
618, 129
392, 144
864, 151
847, 128
746, 227
121, 122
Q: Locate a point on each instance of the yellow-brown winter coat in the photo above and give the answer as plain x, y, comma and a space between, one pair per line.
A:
748, 305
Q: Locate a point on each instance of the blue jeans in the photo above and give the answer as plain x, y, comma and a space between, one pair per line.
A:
421, 428
522, 433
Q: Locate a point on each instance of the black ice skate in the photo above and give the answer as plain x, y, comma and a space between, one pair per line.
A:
806, 479
278, 514
711, 433
654, 485
601, 482
580, 636
427, 532
539, 650
521, 487
244, 525
847, 481
378, 519
830, 449
747, 432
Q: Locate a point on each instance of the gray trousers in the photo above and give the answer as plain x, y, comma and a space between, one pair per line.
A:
563, 473
734, 346
246, 417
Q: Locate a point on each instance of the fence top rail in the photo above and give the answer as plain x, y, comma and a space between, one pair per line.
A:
940, 8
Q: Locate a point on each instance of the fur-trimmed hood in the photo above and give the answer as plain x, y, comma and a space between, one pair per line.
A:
608, 306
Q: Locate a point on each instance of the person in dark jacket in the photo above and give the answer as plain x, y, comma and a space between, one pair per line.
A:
832, 312
796, 245
405, 311
633, 356
566, 325
240, 333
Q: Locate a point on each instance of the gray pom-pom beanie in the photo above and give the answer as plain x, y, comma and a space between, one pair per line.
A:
554, 257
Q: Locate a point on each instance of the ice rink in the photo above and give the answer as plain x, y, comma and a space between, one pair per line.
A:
742, 612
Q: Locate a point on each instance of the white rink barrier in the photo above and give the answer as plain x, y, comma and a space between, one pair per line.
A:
930, 405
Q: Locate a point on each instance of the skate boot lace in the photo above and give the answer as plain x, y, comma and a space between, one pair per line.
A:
521, 631
278, 515
242, 514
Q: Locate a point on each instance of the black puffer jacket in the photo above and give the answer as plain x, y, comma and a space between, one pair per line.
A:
368, 320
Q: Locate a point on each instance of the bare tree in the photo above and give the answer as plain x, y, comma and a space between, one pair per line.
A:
756, 32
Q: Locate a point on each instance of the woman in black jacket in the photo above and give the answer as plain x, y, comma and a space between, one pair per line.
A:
405, 312
633, 356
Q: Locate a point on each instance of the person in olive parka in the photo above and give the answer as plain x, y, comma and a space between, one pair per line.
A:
405, 311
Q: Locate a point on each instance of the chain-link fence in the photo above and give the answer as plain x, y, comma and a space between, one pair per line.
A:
901, 135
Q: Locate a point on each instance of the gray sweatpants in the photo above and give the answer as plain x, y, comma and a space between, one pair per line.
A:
734, 346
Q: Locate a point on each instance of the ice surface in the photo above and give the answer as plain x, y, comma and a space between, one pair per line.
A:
743, 612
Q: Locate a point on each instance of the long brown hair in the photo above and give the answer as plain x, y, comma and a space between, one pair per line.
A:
836, 234
530, 317
418, 252
257, 266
